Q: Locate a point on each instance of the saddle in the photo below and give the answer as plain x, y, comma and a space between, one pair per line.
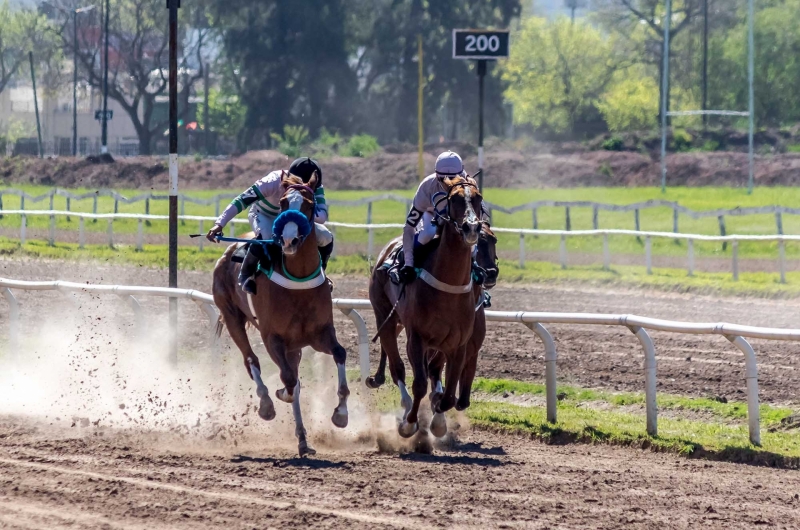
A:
270, 255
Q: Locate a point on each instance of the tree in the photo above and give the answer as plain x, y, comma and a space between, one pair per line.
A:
558, 72
777, 72
631, 103
291, 64
138, 58
626, 17
21, 30
388, 64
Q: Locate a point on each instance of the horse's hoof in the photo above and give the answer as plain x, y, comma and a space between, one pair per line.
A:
374, 382
306, 450
438, 425
407, 430
435, 399
284, 395
266, 410
339, 419
462, 405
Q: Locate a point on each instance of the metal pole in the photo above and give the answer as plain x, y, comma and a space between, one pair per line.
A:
104, 139
206, 122
481, 75
705, 61
75, 83
420, 100
173, 6
36, 106
664, 97
751, 95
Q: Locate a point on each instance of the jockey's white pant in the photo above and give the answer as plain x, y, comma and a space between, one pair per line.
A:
262, 226
427, 229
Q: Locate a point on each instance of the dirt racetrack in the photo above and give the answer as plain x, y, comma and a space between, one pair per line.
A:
88, 448
56, 480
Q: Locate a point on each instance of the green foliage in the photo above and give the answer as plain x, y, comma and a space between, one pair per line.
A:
21, 29
226, 113
613, 144
362, 145
557, 72
710, 145
293, 140
793, 148
631, 103
681, 140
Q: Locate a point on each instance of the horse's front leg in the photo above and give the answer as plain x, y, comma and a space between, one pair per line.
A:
416, 356
455, 365
299, 429
435, 365
329, 344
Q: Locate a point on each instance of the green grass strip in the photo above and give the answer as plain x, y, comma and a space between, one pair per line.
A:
763, 285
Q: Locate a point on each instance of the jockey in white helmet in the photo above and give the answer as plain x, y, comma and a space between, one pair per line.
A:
422, 214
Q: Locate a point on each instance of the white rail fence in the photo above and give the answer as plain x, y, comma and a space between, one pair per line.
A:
690, 239
535, 321
218, 200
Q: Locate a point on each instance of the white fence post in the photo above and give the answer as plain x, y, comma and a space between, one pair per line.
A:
52, 239
651, 406
201, 238
231, 230
23, 229
690, 249
370, 233
363, 341
735, 252
139, 236
606, 254
521, 250
751, 377
562, 251
550, 358
648, 254
110, 232
782, 259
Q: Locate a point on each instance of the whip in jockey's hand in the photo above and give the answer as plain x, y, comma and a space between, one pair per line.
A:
422, 212
263, 199
212, 234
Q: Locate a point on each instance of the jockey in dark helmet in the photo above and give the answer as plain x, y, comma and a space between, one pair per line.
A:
263, 198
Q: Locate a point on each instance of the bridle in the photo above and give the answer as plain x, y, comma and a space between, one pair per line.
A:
441, 196
301, 188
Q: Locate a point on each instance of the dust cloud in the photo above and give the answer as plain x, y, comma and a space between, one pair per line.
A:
88, 370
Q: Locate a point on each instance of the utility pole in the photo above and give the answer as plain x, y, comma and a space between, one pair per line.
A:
420, 135
481, 76
173, 6
104, 136
665, 97
705, 61
36, 106
75, 83
206, 114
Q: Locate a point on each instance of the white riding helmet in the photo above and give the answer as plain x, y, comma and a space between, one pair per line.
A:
449, 164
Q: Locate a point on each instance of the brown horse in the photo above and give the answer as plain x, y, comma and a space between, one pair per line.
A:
486, 258
437, 310
292, 310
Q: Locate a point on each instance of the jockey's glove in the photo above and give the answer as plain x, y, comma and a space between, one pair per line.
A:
407, 275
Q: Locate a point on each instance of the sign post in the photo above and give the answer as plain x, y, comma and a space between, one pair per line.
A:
173, 6
481, 46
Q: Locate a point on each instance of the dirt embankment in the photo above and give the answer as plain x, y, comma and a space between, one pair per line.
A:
388, 170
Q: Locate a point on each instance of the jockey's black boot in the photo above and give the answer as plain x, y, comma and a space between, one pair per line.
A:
325, 254
249, 268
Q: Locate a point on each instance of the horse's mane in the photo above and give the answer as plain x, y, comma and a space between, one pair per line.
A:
486, 229
293, 179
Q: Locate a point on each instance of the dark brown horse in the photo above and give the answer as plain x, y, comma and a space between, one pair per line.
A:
486, 258
292, 310
437, 310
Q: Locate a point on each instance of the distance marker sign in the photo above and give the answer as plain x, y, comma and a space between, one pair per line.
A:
480, 44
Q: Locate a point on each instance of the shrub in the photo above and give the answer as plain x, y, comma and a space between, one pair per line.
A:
613, 144
293, 139
681, 140
361, 145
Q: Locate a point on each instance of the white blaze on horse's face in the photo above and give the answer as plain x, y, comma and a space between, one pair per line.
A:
291, 232
471, 227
